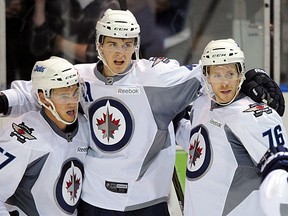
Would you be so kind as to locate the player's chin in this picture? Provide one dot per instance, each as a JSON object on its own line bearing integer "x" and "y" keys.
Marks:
{"x": 70, "y": 119}
{"x": 119, "y": 70}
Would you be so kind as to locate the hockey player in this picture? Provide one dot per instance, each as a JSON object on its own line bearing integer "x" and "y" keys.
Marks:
{"x": 42, "y": 153}
{"x": 130, "y": 102}
{"x": 233, "y": 144}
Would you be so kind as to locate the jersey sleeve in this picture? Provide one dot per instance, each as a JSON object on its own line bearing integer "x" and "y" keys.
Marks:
{"x": 261, "y": 131}
{"x": 20, "y": 98}
{"x": 14, "y": 159}
{"x": 3, "y": 210}
{"x": 183, "y": 134}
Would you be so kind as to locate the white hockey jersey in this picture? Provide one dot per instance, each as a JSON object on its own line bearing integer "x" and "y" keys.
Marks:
{"x": 226, "y": 144}
{"x": 130, "y": 163}
{"x": 41, "y": 167}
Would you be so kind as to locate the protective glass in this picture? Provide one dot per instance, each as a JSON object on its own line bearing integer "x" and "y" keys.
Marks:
{"x": 114, "y": 47}
{"x": 65, "y": 98}
{"x": 221, "y": 73}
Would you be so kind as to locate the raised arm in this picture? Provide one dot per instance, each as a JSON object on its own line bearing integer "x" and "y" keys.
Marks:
{"x": 19, "y": 99}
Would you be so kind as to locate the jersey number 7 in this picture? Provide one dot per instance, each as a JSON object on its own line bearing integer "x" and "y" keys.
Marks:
{"x": 8, "y": 158}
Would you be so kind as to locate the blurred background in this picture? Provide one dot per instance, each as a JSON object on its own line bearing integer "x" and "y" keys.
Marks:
{"x": 32, "y": 30}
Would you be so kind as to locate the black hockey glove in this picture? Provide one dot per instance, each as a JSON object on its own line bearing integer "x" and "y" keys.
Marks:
{"x": 183, "y": 114}
{"x": 261, "y": 88}
{"x": 3, "y": 104}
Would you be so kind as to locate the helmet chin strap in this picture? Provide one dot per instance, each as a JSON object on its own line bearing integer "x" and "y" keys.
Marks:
{"x": 209, "y": 91}
{"x": 52, "y": 109}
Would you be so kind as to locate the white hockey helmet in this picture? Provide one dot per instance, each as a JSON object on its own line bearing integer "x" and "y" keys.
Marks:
{"x": 52, "y": 73}
{"x": 118, "y": 24}
{"x": 223, "y": 51}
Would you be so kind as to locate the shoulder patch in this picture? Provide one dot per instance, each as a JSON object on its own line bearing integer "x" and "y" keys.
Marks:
{"x": 157, "y": 60}
{"x": 22, "y": 132}
{"x": 258, "y": 109}
{"x": 190, "y": 66}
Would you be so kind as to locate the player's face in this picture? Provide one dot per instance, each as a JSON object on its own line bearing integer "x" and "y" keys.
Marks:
{"x": 224, "y": 80}
{"x": 65, "y": 101}
{"x": 117, "y": 53}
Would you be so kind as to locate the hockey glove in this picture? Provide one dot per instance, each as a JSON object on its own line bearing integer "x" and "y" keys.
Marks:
{"x": 261, "y": 88}
{"x": 3, "y": 104}
{"x": 183, "y": 114}
{"x": 274, "y": 192}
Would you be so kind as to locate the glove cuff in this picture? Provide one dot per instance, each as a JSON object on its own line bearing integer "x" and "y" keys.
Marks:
{"x": 4, "y": 105}
{"x": 271, "y": 161}
{"x": 250, "y": 74}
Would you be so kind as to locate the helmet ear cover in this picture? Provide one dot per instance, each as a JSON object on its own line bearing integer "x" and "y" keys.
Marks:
{"x": 101, "y": 39}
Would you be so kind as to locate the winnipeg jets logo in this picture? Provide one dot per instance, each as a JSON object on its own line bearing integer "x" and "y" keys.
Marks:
{"x": 38, "y": 68}
{"x": 108, "y": 125}
{"x": 199, "y": 157}
{"x": 73, "y": 184}
{"x": 111, "y": 124}
{"x": 195, "y": 151}
{"x": 259, "y": 109}
{"x": 157, "y": 60}
{"x": 22, "y": 132}
{"x": 69, "y": 185}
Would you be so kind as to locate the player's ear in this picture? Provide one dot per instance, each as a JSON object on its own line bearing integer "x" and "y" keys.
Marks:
{"x": 43, "y": 98}
{"x": 100, "y": 48}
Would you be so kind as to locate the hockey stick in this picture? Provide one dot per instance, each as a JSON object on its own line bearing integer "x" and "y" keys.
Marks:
{"x": 178, "y": 188}
{"x": 123, "y": 4}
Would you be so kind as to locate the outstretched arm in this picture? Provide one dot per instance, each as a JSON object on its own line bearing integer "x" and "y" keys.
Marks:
{"x": 19, "y": 99}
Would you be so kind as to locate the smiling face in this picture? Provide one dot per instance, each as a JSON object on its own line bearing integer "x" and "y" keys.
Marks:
{"x": 117, "y": 53}
{"x": 224, "y": 80}
{"x": 65, "y": 101}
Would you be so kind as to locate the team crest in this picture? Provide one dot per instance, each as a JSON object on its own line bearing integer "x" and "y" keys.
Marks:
{"x": 22, "y": 132}
{"x": 111, "y": 124}
{"x": 69, "y": 185}
{"x": 199, "y": 155}
{"x": 259, "y": 109}
{"x": 157, "y": 60}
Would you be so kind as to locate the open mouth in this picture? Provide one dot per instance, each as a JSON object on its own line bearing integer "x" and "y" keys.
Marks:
{"x": 119, "y": 63}
{"x": 71, "y": 113}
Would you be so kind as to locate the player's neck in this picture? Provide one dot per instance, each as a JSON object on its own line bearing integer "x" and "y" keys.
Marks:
{"x": 58, "y": 123}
